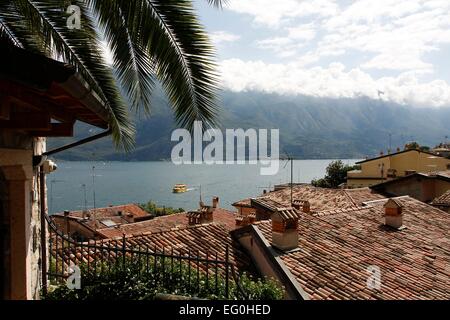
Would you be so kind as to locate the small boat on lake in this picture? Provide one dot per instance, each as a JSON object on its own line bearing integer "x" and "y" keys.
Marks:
{"x": 179, "y": 188}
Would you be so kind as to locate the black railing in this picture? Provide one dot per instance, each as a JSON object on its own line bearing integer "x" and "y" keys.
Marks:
{"x": 180, "y": 271}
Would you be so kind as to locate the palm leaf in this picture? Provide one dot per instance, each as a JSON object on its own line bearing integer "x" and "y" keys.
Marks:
{"x": 148, "y": 39}
{"x": 46, "y": 21}
{"x": 171, "y": 35}
{"x": 134, "y": 68}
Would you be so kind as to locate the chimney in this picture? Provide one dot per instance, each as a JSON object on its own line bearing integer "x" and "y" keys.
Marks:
{"x": 201, "y": 216}
{"x": 285, "y": 229}
{"x": 302, "y": 205}
{"x": 215, "y": 202}
{"x": 393, "y": 214}
{"x": 245, "y": 220}
{"x": 306, "y": 207}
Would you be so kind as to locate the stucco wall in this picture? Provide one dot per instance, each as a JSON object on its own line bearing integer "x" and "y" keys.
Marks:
{"x": 413, "y": 160}
{"x": 24, "y": 215}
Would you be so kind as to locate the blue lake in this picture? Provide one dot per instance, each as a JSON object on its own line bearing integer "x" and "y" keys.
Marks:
{"x": 73, "y": 184}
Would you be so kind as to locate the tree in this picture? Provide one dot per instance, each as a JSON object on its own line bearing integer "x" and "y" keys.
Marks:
{"x": 412, "y": 146}
{"x": 155, "y": 210}
{"x": 336, "y": 174}
{"x": 149, "y": 40}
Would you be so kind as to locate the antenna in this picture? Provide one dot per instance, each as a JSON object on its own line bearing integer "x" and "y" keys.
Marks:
{"x": 289, "y": 158}
{"x": 85, "y": 197}
{"x": 51, "y": 193}
{"x": 390, "y": 142}
{"x": 93, "y": 194}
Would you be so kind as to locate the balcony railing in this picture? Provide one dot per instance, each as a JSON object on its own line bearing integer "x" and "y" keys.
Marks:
{"x": 197, "y": 274}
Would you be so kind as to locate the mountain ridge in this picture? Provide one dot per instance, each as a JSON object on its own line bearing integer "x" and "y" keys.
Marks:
{"x": 310, "y": 127}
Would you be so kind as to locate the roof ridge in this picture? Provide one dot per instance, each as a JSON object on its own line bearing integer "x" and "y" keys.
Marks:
{"x": 350, "y": 198}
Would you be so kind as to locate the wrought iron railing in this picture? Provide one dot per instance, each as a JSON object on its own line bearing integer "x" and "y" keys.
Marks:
{"x": 198, "y": 274}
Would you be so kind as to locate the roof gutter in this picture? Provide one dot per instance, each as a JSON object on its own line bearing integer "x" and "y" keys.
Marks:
{"x": 38, "y": 160}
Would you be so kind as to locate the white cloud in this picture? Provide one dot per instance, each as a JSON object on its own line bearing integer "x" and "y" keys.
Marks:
{"x": 383, "y": 37}
{"x": 333, "y": 81}
{"x": 273, "y": 13}
{"x": 223, "y": 36}
{"x": 397, "y": 32}
{"x": 289, "y": 45}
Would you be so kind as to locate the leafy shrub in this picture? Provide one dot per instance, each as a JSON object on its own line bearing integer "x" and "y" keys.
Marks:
{"x": 141, "y": 279}
{"x": 157, "y": 211}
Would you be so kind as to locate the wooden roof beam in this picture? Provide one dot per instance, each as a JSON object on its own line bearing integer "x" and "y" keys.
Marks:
{"x": 5, "y": 108}
{"x": 27, "y": 121}
{"x": 57, "y": 130}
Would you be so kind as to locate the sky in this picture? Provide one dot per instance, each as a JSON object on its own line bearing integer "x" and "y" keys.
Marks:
{"x": 392, "y": 50}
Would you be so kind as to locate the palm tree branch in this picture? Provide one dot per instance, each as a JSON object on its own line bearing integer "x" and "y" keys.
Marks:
{"x": 135, "y": 70}
{"x": 184, "y": 56}
{"x": 80, "y": 49}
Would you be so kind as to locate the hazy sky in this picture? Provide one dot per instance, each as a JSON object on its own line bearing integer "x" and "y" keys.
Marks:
{"x": 395, "y": 50}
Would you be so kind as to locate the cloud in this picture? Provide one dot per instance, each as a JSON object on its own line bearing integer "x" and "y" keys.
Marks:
{"x": 391, "y": 34}
{"x": 219, "y": 37}
{"x": 398, "y": 33}
{"x": 289, "y": 45}
{"x": 273, "y": 13}
{"x": 381, "y": 45}
{"x": 333, "y": 81}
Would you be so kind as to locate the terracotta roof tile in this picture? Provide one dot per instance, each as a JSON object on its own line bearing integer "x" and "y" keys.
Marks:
{"x": 165, "y": 223}
{"x": 204, "y": 241}
{"x": 336, "y": 249}
{"x": 443, "y": 199}
{"x": 320, "y": 199}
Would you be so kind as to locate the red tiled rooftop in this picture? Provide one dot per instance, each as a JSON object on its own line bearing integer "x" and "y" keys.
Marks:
{"x": 336, "y": 249}
{"x": 320, "y": 199}
{"x": 112, "y": 211}
{"x": 205, "y": 241}
{"x": 243, "y": 203}
{"x": 165, "y": 223}
{"x": 443, "y": 199}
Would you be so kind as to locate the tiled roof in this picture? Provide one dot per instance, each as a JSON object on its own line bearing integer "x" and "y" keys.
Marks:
{"x": 205, "y": 241}
{"x": 361, "y": 195}
{"x": 130, "y": 213}
{"x": 288, "y": 213}
{"x": 443, "y": 199}
{"x": 335, "y": 251}
{"x": 320, "y": 199}
{"x": 243, "y": 203}
{"x": 165, "y": 223}
{"x": 113, "y": 211}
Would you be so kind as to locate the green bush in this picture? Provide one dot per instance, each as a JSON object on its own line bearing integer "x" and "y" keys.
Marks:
{"x": 141, "y": 279}
{"x": 152, "y": 208}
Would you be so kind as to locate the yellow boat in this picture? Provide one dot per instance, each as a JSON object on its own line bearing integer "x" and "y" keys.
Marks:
{"x": 179, "y": 188}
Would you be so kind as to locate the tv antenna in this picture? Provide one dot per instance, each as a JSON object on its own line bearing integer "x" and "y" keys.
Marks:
{"x": 290, "y": 159}
{"x": 85, "y": 196}
{"x": 52, "y": 182}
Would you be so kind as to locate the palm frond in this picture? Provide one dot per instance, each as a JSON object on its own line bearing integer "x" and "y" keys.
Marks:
{"x": 47, "y": 22}
{"x": 171, "y": 35}
{"x": 8, "y": 35}
{"x": 218, "y": 3}
{"x": 134, "y": 67}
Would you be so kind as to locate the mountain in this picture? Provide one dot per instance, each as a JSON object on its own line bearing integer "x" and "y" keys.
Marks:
{"x": 310, "y": 127}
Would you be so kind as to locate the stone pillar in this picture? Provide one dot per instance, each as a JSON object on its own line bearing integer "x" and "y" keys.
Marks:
{"x": 19, "y": 179}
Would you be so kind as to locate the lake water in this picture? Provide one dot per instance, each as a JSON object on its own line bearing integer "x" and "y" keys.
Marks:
{"x": 137, "y": 182}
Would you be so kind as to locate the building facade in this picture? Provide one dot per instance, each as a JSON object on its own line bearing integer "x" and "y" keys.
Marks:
{"x": 39, "y": 98}
{"x": 395, "y": 165}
